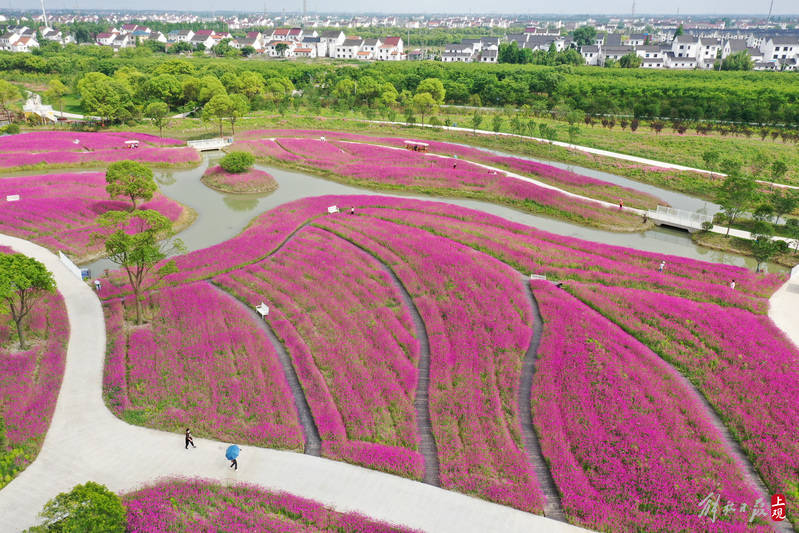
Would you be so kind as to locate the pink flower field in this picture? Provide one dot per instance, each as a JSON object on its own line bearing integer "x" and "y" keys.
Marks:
{"x": 213, "y": 371}
{"x": 627, "y": 447}
{"x": 252, "y": 181}
{"x": 398, "y": 169}
{"x": 59, "y": 211}
{"x": 30, "y": 380}
{"x": 60, "y": 149}
{"x": 564, "y": 179}
{"x": 194, "y": 505}
{"x": 741, "y": 362}
{"x": 352, "y": 344}
{"x": 628, "y": 441}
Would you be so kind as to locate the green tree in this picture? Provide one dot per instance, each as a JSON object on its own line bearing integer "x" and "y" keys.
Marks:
{"x": 585, "y": 35}
{"x": 56, "y": 91}
{"x": 737, "y": 61}
{"x": 23, "y": 283}
{"x": 239, "y": 107}
{"x": 735, "y": 195}
{"x": 281, "y": 48}
{"x": 130, "y": 179}
{"x": 711, "y": 158}
{"x": 784, "y": 201}
{"x": 679, "y": 31}
{"x": 105, "y": 97}
{"x": 424, "y": 104}
{"x": 252, "y": 84}
{"x": 496, "y": 123}
{"x": 237, "y": 162}
{"x": 477, "y": 119}
{"x": 164, "y": 87}
{"x": 142, "y": 251}
{"x": 730, "y": 167}
{"x": 434, "y": 87}
{"x": 218, "y": 108}
{"x": 574, "y": 131}
{"x": 763, "y": 246}
{"x": 778, "y": 169}
{"x": 88, "y": 508}
{"x": 792, "y": 228}
{"x": 158, "y": 112}
{"x": 630, "y": 60}
{"x": 9, "y": 93}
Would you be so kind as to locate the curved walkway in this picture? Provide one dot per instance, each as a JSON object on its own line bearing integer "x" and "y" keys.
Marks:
{"x": 86, "y": 442}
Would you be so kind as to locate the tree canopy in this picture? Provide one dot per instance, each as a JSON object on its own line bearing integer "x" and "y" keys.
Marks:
{"x": 23, "y": 282}
{"x": 130, "y": 179}
{"x": 89, "y": 508}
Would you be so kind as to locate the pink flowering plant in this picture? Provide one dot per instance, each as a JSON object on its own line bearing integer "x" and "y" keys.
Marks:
{"x": 195, "y": 505}
{"x": 200, "y": 363}
{"x": 251, "y": 181}
{"x": 59, "y": 211}
{"x": 29, "y": 381}
{"x": 627, "y": 444}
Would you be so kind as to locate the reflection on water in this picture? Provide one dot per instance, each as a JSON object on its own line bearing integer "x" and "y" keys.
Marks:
{"x": 222, "y": 216}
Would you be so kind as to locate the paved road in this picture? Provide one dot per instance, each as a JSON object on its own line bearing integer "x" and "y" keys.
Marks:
{"x": 86, "y": 442}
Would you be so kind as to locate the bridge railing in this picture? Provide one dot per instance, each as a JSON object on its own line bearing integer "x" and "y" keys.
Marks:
{"x": 210, "y": 144}
{"x": 691, "y": 218}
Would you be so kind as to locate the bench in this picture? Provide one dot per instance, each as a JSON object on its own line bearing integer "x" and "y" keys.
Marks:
{"x": 262, "y": 309}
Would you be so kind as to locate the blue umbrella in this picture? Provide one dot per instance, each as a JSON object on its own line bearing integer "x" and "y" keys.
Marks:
{"x": 232, "y": 452}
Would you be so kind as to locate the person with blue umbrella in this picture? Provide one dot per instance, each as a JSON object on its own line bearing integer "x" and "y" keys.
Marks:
{"x": 231, "y": 454}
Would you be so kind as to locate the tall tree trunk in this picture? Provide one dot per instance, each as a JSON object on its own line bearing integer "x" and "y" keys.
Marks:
{"x": 220, "y": 128}
{"x": 138, "y": 310}
{"x": 19, "y": 332}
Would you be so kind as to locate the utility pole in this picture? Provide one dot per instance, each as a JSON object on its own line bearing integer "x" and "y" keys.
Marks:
{"x": 770, "y": 8}
{"x": 44, "y": 15}
{"x": 633, "y": 11}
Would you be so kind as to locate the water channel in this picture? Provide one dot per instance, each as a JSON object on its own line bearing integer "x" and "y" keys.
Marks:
{"x": 222, "y": 216}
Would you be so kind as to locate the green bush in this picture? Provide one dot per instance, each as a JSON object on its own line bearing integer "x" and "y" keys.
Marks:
{"x": 12, "y": 129}
{"x": 236, "y": 162}
{"x": 87, "y": 508}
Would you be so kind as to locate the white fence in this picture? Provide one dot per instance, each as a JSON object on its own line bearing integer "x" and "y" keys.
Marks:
{"x": 70, "y": 265}
{"x": 672, "y": 215}
{"x": 210, "y": 144}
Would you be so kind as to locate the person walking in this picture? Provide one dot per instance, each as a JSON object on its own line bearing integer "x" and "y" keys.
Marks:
{"x": 662, "y": 266}
{"x": 189, "y": 439}
{"x": 234, "y": 464}
{"x": 232, "y": 454}
{"x": 732, "y": 285}
{"x": 97, "y": 285}
{"x": 621, "y": 204}
{"x": 352, "y": 210}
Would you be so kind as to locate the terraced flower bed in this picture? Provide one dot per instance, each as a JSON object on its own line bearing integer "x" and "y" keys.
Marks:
{"x": 626, "y": 445}
{"x": 741, "y": 363}
{"x": 59, "y": 149}
{"x": 478, "y": 323}
{"x": 200, "y": 505}
{"x": 397, "y": 169}
{"x": 198, "y": 363}
{"x": 563, "y": 179}
{"x": 463, "y": 272}
{"x": 250, "y": 182}
{"x": 30, "y": 380}
{"x": 59, "y": 211}
{"x": 351, "y": 341}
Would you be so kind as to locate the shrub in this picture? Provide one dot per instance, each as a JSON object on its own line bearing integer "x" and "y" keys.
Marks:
{"x": 88, "y": 508}
{"x": 237, "y": 162}
{"x": 12, "y": 129}
{"x": 707, "y": 226}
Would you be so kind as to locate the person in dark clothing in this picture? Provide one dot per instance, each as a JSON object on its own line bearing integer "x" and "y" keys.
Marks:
{"x": 189, "y": 439}
{"x": 234, "y": 464}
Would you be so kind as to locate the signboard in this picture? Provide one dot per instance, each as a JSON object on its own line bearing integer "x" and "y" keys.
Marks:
{"x": 12, "y": 198}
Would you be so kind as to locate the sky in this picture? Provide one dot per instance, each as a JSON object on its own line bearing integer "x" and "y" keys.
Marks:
{"x": 608, "y": 7}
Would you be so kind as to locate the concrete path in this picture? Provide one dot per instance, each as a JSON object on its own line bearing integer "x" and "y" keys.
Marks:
{"x": 783, "y": 308}
{"x": 86, "y": 442}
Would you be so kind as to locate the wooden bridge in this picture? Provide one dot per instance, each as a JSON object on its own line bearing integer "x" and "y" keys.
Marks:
{"x": 678, "y": 218}
{"x": 205, "y": 145}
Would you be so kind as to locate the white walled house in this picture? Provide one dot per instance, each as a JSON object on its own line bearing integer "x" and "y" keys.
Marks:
{"x": 676, "y": 62}
{"x": 708, "y": 50}
{"x": 369, "y": 48}
{"x": 24, "y": 44}
{"x": 105, "y": 38}
{"x": 180, "y": 36}
{"x": 331, "y": 40}
{"x": 489, "y": 54}
{"x": 780, "y": 48}
{"x": 319, "y": 46}
{"x": 391, "y": 49}
{"x": 348, "y": 49}
{"x": 591, "y": 54}
{"x": 685, "y": 46}
{"x": 8, "y": 39}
